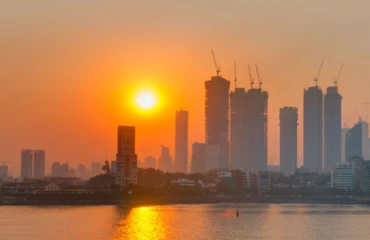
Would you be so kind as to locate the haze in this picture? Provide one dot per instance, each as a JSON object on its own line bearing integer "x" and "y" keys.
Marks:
{"x": 68, "y": 69}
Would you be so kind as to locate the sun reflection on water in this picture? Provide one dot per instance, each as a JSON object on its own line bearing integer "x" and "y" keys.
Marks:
{"x": 142, "y": 223}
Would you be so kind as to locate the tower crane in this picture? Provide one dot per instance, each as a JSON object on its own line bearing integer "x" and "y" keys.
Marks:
{"x": 316, "y": 79}
{"x": 250, "y": 77}
{"x": 336, "y": 79}
{"x": 235, "y": 73}
{"x": 5, "y": 162}
{"x": 218, "y": 70}
{"x": 258, "y": 76}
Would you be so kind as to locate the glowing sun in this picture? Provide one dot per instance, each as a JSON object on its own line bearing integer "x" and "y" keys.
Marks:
{"x": 146, "y": 100}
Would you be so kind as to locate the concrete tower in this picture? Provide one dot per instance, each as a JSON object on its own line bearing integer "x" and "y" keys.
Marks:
{"x": 181, "y": 141}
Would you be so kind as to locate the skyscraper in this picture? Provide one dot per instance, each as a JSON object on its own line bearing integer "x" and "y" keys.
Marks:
{"x": 357, "y": 140}
{"x": 332, "y": 128}
{"x": 150, "y": 162}
{"x": 39, "y": 164}
{"x": 165, "y": 160}
{"x": 126, "y": 158}
{"x": 256, "y": 128}
{"x": 343, "y": 139}
{"x": 181, "y": 141}
{"x": 288, "y": 139}
{"x": 26, "y": 163}
{"x": 217, "y": 116}
{"x": 238, "y": 155}
{"x": 312, "y": 129}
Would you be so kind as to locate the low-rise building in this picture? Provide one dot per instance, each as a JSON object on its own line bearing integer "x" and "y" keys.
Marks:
{"x": 342, "y": 176}
{"x": 52, "y": 187}
{"x": 247, "y": 179}
{"x": 183, "y": 182}
{"x": 263, "y": 182}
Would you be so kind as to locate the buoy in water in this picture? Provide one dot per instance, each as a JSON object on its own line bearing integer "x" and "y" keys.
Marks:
{"x": 237, "y": 213}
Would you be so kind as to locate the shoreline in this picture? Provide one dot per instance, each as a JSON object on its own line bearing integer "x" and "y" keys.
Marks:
{"x": 140, "y": 201}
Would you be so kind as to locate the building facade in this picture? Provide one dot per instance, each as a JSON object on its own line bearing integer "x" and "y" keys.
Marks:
{"x": 165, "y": 161}
{"x": 342, "y": 176}
{"x": 217, "y": 116}
{"x": 39, "y": 164}
{"x": 126, "y": 158}
{"x": 181, "y": 141}
{"x": 332, "y": 128}
{"x": 312, "y": 129}
{"x": 26, "y": 163}
{"x": 150, "y": 162}
{"x": 288, "y": 139}
{"x": 354, "y": 141}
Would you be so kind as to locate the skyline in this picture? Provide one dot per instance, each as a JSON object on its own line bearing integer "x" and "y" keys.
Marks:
{"x": 64, "y": 80}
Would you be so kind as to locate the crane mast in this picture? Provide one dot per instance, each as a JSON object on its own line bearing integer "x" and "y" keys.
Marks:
{"x": 316, "y": 79}
{"x": 250, "y": 77}
{"x": 218, "y": 70}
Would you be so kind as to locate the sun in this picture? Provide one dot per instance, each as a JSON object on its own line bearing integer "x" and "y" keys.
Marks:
{"x": 146, "y": 100}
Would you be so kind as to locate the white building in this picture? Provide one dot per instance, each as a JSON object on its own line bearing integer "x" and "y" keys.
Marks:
{"x": 247, "y": 179}
{"x": 342, "y": 176}
{"x": 183, "y": 182}
{"x": 126, "y": 158}
{"x": 263, "y": 182}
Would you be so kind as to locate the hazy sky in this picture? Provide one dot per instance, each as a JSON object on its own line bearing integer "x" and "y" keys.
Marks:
{"x": 68, "y": 69}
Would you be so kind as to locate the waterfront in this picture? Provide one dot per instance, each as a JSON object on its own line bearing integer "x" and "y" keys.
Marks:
{"x": 200, "y": 221}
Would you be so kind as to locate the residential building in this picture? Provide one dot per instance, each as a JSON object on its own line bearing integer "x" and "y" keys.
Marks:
{"x": 4, "y": 171}
{"x": 197, "y": 158}
{"x": 165, "y": 161}
{"x": 126, "y": 158}
{"x": 263, "y": 182}
{"x": 357, "y": 164}
{"x": 181, "y": 141}
{"x": 217, "y": 116}
{"x": 343, "y": 144}
{"x": 342, "y": 176}
{"x": 332, "y": 128}
{"x": 312, "y": 129}
{"x": 366, "y": 176}
{"x": 357, "y": 141}
{"x": 26, "y": 163}
{"x": 238, "y": 154}
{"x": 288, "y": 139}
{"x": 247, "y": 179}
{"x": 96, "y": 168}
{"x": 39, "y": 164}
{"x": 82, "y": 172}
{"x": 113, "y": 166}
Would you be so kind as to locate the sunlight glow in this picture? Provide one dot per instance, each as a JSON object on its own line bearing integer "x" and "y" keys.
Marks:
{"x": 146, "y": 100}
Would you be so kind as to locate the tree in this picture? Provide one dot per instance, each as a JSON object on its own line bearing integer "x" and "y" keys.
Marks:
{"x": 106, "y": 167}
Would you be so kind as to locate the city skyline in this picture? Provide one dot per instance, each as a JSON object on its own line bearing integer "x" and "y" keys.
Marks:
{"x": 49, "y": 70}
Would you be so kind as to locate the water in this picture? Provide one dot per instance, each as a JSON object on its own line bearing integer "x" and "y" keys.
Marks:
{"x": 213, "y": 221}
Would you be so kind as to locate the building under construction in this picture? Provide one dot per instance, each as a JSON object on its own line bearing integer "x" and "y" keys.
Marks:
{"x": 217, "y": 116}
{"x": 249, "y": 127}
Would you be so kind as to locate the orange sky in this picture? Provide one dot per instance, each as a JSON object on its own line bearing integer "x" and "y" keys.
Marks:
{"x": 67, "y": 70}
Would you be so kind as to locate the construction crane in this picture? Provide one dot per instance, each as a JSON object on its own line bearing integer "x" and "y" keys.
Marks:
{"x": 316, "y": 79}
{"x": 336, "y": 79}
{"x": 235, "y": 73}
{"x": 216, "y": 65}
{"x": 250, "y": 77}
{"x": 258, "y": 76}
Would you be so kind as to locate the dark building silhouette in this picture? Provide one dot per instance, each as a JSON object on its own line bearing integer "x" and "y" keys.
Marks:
{"x": 217, "y": 116}
{"x": 26, "y": 163}
{"x": 255, "y": 117}
{"x": 39, "y": 164}
{"x": 238, "y": 154}
{"x": 332, "y": 128}
{"x": 288, "y": 139}
{"x": 356, "y": 139}
{"x": 150, "y": 162}
{"x": 312, "y": 129}
{"x": 165, "y": 160}
{"x": 181, "y": 141}
{"x": 198, "y": 158}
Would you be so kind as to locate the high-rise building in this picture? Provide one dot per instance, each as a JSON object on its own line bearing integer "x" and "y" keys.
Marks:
{"x": 26, "y": 163}
{"x": 96, "y": 168}
{"x": 113, "y": 167}
{"x": 205, "y": 157}
{"x": 343, "y": 143}
{"x": 82, "y": 171}
{"x": 332, "y": 128}
{"x": 256, "y": 129}
{"x": 165, "y": 160}
{"x": 4, "y": 171}
{"x": 59, "y": 170}
{"x": 312, "y": 129}
{"x": 217, "y": 116}
{"x": 181, "y": 141}
{"x": 288, "y": 139}
{"x": 357, "y": 141}
{"x": 126, "y": 158}
{"x": 39, "y": 164}
{"x": 238, "y": 144}
{"x": 150, "y": 162}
